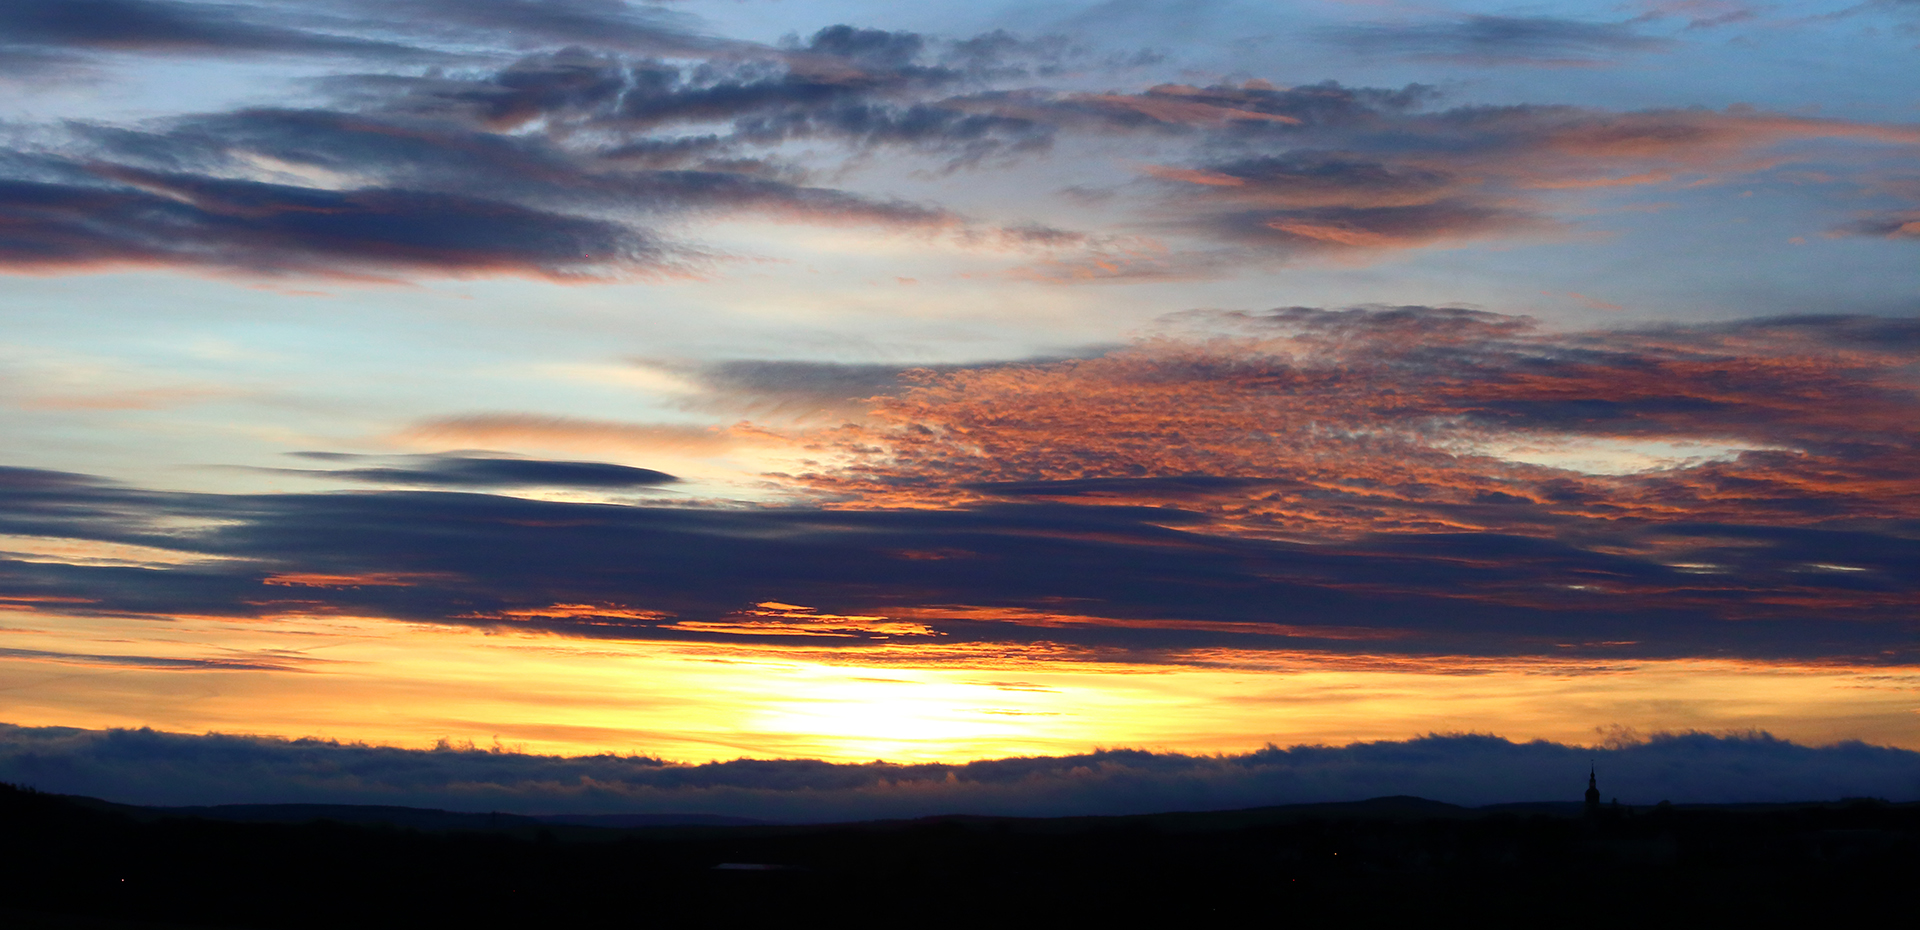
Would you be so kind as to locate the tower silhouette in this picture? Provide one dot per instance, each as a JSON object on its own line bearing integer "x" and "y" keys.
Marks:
{"x": 1593, "y": 793}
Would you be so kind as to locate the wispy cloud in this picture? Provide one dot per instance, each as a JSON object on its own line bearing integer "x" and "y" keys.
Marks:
{"x": 62, "y": 30}
{"x": 1377, "y": 178}
{"x": 277, "y": 663}
{"x": 591, "y": 161}
{"x": 57, "y": 28}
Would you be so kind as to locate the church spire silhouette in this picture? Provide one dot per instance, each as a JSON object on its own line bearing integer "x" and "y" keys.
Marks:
{"x": 1593, "y": 792}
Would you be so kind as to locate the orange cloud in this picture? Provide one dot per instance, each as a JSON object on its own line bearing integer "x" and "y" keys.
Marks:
{"x": 773, "y": 618}
{"x": 1334, "y": 425}
{"x": 509, "y": 430}
{"x": 370, "y": 579}
{"x": 576, "y": 614}
{"x": 1482, "y": 172}
{"x": 1043, "y": 619}
{"x": 1194, "y": 176}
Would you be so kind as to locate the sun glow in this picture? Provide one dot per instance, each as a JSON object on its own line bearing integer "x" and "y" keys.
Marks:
{"x": 377, "y": 681}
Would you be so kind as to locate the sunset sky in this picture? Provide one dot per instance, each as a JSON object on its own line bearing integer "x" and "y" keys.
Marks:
{"x": 942, "y": 382}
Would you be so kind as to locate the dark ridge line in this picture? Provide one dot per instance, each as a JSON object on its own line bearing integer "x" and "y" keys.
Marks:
{"x": 438, "y": 820}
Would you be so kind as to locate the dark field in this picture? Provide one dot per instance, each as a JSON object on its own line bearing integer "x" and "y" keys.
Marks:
{"x": 73, "y": 862}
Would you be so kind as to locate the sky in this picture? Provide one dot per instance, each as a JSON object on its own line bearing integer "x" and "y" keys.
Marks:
{"x": 719, "y": 382}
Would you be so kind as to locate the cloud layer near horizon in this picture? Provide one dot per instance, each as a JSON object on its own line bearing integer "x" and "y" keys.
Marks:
{"x": 154, "y": 768}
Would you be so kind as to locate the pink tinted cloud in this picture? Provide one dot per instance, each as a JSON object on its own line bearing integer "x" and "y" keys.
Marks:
{"x": 1346, "y": 429}
{"x": 1383, "y": 180}
{"x": 511, "y": 430}
{"x": 1341, "y": 424}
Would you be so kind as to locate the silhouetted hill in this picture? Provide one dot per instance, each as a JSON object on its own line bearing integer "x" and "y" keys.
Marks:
{"x": 414, "y": 818}
{"x": 626, "y": 821}
{"x": 68, "y": 859}
{"x": 428, "y": 819}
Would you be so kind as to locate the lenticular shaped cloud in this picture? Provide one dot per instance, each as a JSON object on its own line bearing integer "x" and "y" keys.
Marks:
{"x": 174, "y": 27}
{"x": 1316, "y": 179}
{"x": 1895, "y": 225}
{"x": 1256, "y": 107}
{"x": 277, "y": 663}
{"x": 1498, "y": 40}
{"x": 595, "y": 23}
{"x": 1361, "y": 228}
{"x": 1368, "y": 175}
{"x": 148, "y": 218}
{"x": 457, "y": 471}
{"x": 520, "y": 430}
{"x": 409, "y": 28}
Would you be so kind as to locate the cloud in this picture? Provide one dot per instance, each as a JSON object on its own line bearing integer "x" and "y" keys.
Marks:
{"x": 164, "y": 26}
{"x": 1314, "y": 179}
{"x": 1121, "y": 260}
{"x": 528, "y": 429}
{"x": 1334, "y": 229}
{"x": 1366, "y": 177}
{"x": 1256, "y": 107}
{"x": 470, "y": 472}
{"x": 775, "y": 390}
{"x": 1897, "y": 225}
{"x": 404, "y": 153}
{"x": 1703, "y": 14}
{"x": 1376, "y": 481}
{"x": 581, "y": 162}
{"x": 148, "y": 767}
{"x": 277, "y": 663}
{"x": 1418, "y": 387}
{"x": 1894, "y": 7}
{"x": 1499, "y": 40}
{"x": 133, "y": 217}
{"x": 1348, "y": 424}
{"x": 595, "y": 23}
{"x": 66, "y": 32}
{"x": 1137, "y": 568}
{"x": 861, "y": 87}
{"x": 429, "y": 176}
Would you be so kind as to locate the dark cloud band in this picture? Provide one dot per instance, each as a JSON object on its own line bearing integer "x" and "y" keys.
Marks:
{"x": 159, "y": 219}
{"x": 471, "y": 472}
{"x": 147, "y": 767}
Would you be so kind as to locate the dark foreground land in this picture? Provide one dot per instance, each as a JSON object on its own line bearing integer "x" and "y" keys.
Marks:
{"x": 74, "y": 862}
